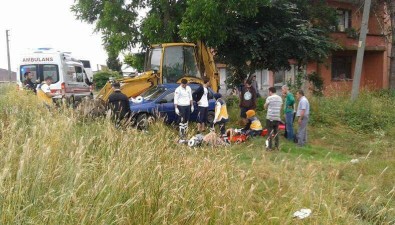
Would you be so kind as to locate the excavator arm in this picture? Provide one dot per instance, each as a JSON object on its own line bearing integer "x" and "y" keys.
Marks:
{"x": 206, "y": 60}
{"x": 131, "y": 86}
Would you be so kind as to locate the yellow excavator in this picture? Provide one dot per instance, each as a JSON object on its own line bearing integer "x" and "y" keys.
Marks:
{"x": 169, "y": 63}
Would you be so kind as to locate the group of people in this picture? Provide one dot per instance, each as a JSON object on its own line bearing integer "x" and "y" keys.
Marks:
{"x": 42, "y": 90}
{"x": 249, "y": 94}
{"x": 184, "y": 98}
{"x": 274, "y": 104}
{"x": 184, "y": 106}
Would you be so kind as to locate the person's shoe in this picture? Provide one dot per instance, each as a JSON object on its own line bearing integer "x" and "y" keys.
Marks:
{"x": 269, "y": 149}
{"x": 276, "y": 148}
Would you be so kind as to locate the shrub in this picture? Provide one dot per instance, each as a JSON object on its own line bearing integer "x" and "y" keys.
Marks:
{"x": 317, "y": 83}
{"x": 232, "y": 101}
{"x": 259, "y": 105}
{"x": 100, "y": 78}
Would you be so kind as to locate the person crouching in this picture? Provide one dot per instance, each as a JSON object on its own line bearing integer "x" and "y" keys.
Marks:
{"x": 253, "y": 126}
{"x": 221, "y": 116}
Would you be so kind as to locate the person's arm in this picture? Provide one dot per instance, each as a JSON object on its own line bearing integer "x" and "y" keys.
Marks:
{"x": 266, "y": 103}
{"x": 190, "y": 96}
{"x": 248, "y": 125}
{"x": 253, "y": 98}
{"x": 47, "y": 90}
{"x": 291, "y": 100}
{"x": 176, "y": 95}
{"x": 217, "y": 111}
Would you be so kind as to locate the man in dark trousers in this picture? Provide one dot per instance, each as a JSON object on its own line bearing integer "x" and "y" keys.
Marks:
{"x": 118, "y": 103}
{"x": 273, "y": 105}
{"x": 201, "y": 97}
{"x": 247, "y": 99}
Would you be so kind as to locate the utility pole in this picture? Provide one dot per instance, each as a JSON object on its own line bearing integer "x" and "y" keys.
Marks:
{"x": 361, "y": 50}
{"x": 8, "y": 55}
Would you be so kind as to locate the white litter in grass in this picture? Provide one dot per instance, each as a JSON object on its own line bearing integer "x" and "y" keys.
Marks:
{"x": 303, "y": 213}
{"x": 353, "y": 161}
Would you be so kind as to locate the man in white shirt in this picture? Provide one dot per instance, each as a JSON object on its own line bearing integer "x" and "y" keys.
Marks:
{"x": 273, "y": 105}
{"x": 44, "y": 91}
{"x": 201, "y": 97}
{"x": 183, "y": 104}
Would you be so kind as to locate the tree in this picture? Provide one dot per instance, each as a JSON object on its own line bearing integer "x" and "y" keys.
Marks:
{"x": 267, "y": 36}
{"x": 135, "y": 60}
{"x": 119, "y": 23}
{"x": 264, "y": 32}
{"x": 114, "y": 64}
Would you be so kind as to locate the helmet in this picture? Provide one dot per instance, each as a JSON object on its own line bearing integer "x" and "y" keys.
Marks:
{"x": 250, "y": 113}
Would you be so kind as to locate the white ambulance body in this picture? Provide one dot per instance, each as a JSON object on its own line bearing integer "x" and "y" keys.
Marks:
{"x": 67, "y": 72}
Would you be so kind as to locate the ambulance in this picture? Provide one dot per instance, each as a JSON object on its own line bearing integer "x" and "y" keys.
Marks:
{"x": 69, "y": 78}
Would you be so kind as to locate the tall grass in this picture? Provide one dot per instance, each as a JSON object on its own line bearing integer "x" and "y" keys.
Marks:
{"x": 57, "y": 168}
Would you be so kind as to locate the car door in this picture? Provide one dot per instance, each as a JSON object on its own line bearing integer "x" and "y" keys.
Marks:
{"x": 81, "y": 89}
{"x": 166, "y": 107}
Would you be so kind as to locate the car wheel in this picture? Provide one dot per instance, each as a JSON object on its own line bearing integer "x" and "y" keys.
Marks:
{"x": 210, "y": 117}
{"x": 144, "y": 120}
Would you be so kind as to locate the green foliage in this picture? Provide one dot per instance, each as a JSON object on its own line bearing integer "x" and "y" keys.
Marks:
{"x": 100, "y": 78}
{"x": 135, "y": 60}
{"x": 260, "y": 104}
{"x": 317, "y": 83}
{"x": 369, "y": 113}
{"x": 352, "y": 33}
{"x": 161, "y": 23}
{"x": 209, "y": 20}
{"x": 297, "y": 83}
{"x": 236, "y": 76}
{"x": 267, "y": 33}
{"x": 232, "y": 101}
{"x": 114, "y": 64}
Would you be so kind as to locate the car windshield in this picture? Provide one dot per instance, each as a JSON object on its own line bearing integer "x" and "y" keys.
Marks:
{"x": 153, "y": 93}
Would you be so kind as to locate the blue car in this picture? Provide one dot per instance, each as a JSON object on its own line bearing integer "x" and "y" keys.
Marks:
{"x": 158, "y": 102}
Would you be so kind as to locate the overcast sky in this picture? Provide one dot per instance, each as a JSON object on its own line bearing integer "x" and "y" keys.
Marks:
{"x": 46, "y": 23}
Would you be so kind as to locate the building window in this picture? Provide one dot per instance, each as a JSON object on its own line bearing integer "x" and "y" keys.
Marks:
{"x": 341, "y": 68}
{"x": 343, "y": 19}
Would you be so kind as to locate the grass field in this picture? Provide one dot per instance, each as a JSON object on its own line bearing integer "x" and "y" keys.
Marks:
{"x": 60, "y": 168}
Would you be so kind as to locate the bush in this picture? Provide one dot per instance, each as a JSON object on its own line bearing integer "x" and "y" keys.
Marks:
{"x": 260, "y": 104}
{"x": 371, "y": 111}
{"x": 232, "y": 101}
{"x": 100, "y": 78}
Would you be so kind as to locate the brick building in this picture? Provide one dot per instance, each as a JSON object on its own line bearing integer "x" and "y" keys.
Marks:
{"x": 338, "y": 70}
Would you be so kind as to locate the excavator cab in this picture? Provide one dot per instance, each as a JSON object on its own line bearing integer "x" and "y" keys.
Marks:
{"x": 173, "y": 62}
{"x": 169, "y": 63}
